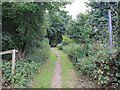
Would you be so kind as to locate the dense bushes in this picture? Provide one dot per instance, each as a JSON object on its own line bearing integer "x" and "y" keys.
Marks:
{"x": 77, "y": 54}
{"x": 73, "y": 50}
{"x": 42, "y": 52}
{"x": 66, "y": 40}
{"x": 23, "y": 71}
{"x": 59, "y": 46}
{"x": 25, "y": 67}
{"x": 86, "y": 66}
{"x": 100, "y": 65}
{"x": 107, "y": 69}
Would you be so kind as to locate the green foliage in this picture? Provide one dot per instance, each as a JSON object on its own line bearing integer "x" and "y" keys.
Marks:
{"x": 107, "y": 68}
{"x": 57, "y": 26}
{"x": 78, "y": 51}
{"x": 99, "y": 19}
{"x": 91, "y": 55}
{"x": 25, "y": 68}
{"x": 19, "y": 30}
{"x": 66, "y": 40}
{"x": 59, "y": 46}
{"x": 24, "y": 26}
{"x": 42, "y": 53}
{"x": 23, "y": 71}
{"x": 98, "y": 65}
{"x": 83, "y": 64}
{"x": 86, "y": 66}
{"x": 89, "y": 30}
{"x": 74, "y": 51}
{"x": 6, "y": 73}
{"x": 22, "y": 32}
{"x": 79, "y": 29}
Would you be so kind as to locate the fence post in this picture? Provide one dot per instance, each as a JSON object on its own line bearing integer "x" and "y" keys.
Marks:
{"x": 13, "y": 61}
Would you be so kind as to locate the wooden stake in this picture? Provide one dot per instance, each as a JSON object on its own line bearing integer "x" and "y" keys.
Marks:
{"x": 13, "y": 61}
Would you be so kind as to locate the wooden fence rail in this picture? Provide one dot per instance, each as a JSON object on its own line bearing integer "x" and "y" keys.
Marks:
{"x": 13, "y": 57}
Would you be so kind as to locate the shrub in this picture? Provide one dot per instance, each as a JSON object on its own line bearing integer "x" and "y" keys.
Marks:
{"x": 59, "y": 46}
{"x": 74, "y": 51}
{"x": 25, "y": 67}
{"x": 107, "y": 69}
{"x": 39, "y": 54}
{"x": 66, "y": 40}
{"x": 84, "y": 64}
{"x": 23, "y": 72}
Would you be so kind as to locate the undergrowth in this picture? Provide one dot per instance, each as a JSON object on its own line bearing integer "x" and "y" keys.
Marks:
{"x": 25, "y": 67}
{"x": 98, "y": 64}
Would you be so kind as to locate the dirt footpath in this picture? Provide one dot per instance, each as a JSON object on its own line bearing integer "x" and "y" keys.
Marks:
{"x": 56, "y": 80}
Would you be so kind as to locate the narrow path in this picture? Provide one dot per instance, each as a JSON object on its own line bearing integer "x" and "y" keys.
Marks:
{"x": 58, "y": 72}
{"x": 70, "y": 77}
{"x": 56, "y": 80}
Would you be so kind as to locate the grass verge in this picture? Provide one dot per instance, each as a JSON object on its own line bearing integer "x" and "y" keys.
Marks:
{"x": 44, "y": 76}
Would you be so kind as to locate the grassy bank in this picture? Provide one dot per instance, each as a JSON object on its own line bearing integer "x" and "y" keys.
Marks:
{"x": 44, "y": 76}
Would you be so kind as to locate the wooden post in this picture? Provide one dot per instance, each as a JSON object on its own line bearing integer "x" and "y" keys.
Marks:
{"x": 13, "y": 61}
